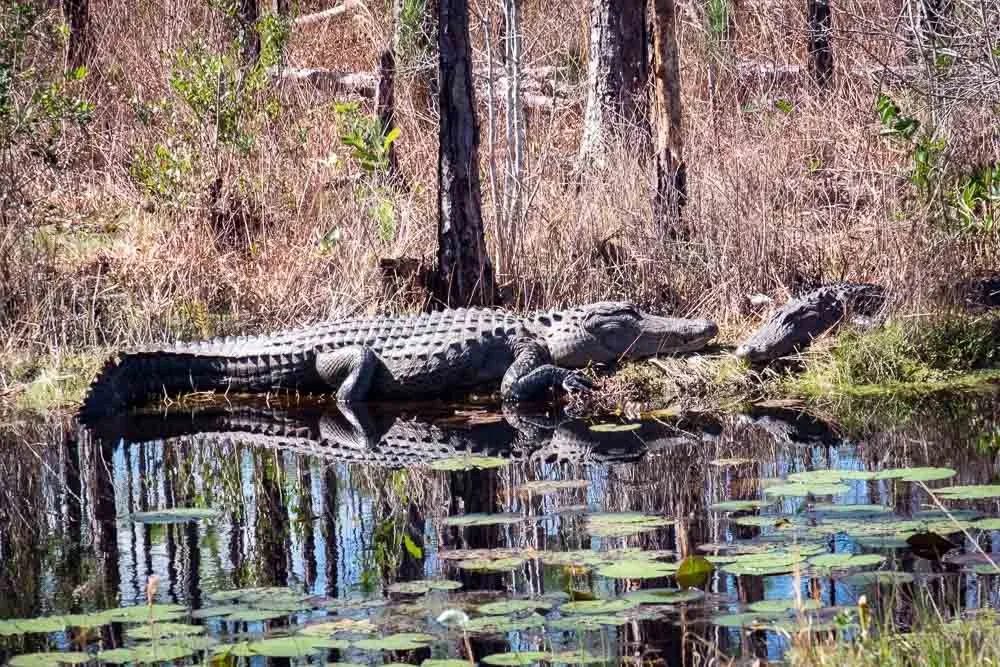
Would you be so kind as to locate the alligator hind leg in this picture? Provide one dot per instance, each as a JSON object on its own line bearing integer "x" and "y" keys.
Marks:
{"x": 349, "y": 370}
{"x": 533, "y": 372}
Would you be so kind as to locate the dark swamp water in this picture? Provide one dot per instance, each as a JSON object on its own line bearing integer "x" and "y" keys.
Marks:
{"x": 316, "y": 535}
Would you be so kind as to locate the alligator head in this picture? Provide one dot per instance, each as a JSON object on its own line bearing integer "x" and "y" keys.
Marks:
{"x": 612, "y": 331}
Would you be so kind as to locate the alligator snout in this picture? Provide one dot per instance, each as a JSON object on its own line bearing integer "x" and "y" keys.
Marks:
{"x": 675, "y": 335}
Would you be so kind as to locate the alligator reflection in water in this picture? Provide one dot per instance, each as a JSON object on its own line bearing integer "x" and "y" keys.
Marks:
{"x": 340, "y": 504}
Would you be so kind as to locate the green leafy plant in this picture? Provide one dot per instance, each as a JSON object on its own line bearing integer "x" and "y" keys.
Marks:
{"x": 161, "y": 172}
{"x": 364, "y": 133}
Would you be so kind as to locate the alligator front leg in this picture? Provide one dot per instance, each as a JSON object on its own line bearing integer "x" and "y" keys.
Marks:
{"x": 349, "y": 370}
{"x": 533, "y": 372}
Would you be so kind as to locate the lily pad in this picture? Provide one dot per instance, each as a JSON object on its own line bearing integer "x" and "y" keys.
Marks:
{"x": 406, "y": 641}
{"x": 504, "y": 624}
{"x": 969, "y": 492}
{"x": 506, "y": 659}
{"x": 576, "y": 658}
{"x": 466, "y": 520}
{"x": 739, "y": 505}
{"x": 838, "y": 509}
{"x": 164, "y": 630}
{"x": 41, "y": 625}
{"x": 811, "y": 489}
{"x": 254, "y": 616}
{"x": 513, "y": 606}
{"x": 638, "y": 569}
{"x": 586, "y": 623}
{"x": 442, "y": 662}
{"x": 987, "y": 524}
{"x": 285, "y": 647}
{"x": 457, "y": 463}
{"x": 622, "y": 524}
{"x": 844, "y": 561}
{"x": 217, "y": 610}
{"x": 48, "y": 659}
{"x": 744, "y": 620}
{"x": 882, "y": 578}
{"x": 422, "y": 586}
{"x": 490, "y": 565}
{"x": 817, "y": 476}
{"x": 986, "y": 569}
{"x": 694, "y": 572}
{"x": 598, "y": 606}
{"x": 919, "y": 474}
{"x": 143, "y": 614}
{"x": 176, "y": 515}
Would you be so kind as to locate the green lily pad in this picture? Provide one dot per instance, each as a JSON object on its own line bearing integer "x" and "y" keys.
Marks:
{"x": 162, "y": 652}
{"x": 143, "y": 614}
{"x": 831, "y": 508}
{"x": 466, "y": 520}
{"x": 598, "y": 606}
{"x": 586, "y": 623}
{"x": 771, "y": 521}
{"x": 217, "y": 610}
{"x": 422, "y": 586}
{"x": 507, "y": 659}
{"x": 513, "y": 606}
{"x": 176, "y": 515}
{"x": 812, "y": 489}
{"x": 665, "y": 596}
{"x": 637, "y": 569}
{"x": 117, "y": 656}
{"x": 285, "y": 647}
{"x": 445, "y": 662}
{"x": 817, "y": 476}
{"x": 882, "y": 578}
{"x": 41, "y": 625}
{"x": 744, "y": 620}
{"x": 495, "y": 565}
{"x": 52, "y": 658}
{"x": 457, "y": 463}
{"x": 986, "y": 569}
{"x": 921, "y": 474}
{"x": 844, "y": 561}
{"x": 164, "y": 630}
{"x": 9, "y": 629}
{"x": 694, "y": 571}
{"x": 622, "y": 524}
{"x": 739, "y": 505}
{"x": 969, "y": 492}
{"x": 407, "y": 641}
{"x": 504, "y": 624}
{"x": 789, "y": 604}
{"x": 987, "y": 524}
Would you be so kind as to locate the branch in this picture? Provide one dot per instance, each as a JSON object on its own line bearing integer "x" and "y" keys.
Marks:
{"x": 333, "y": 12}
{"x": 330, "y": 80}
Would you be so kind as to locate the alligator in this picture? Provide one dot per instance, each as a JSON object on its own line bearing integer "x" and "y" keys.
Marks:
{"x": 346, "y": 433}
{"x": 403, "y": 357}
{"x": 794, "y": 326}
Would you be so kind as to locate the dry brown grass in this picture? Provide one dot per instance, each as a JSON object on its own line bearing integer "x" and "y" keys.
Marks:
{"x": 778, "y": 199}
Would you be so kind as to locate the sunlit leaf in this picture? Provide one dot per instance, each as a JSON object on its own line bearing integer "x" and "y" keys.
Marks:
{"x": 694, "y": 572}
{"x": 51, "y": 659}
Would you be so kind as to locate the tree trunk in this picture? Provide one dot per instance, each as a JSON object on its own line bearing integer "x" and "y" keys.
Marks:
{"x": 513, "y": 188}
{"x": 820, "y": 53}
{"x": 671, "y": 175}
{"x": 465, "y": 274}
{"x": 247, "y": 14}
{"x": 78, "y": 19}
{"x": 385, "y": 108}
{"x": 617, "y": 73}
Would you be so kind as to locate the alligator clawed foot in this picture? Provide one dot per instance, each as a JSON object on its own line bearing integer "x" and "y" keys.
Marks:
{"x": 576, "y": 382}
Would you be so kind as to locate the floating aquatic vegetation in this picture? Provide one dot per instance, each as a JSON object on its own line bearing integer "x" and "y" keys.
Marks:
{"x": 586, "y": 623}
{"x": 992, "y": 523}
{"x": 422, "y": 586}
{"x": 492, "y": 565}
{"x": 783, "y": 605}
{"x": 504, "y": 624}
{"x": 745, "y": 619}
{"x": 881, "y": 577}
{"x": 164, "y": 630}
{"x": 638, "y": 569}
{"x": 622, "y": 524}
{"x": 598, "y": 606}
{"x": 845, "y": 561}
{"x": 694, "y": 571}
{"x": 49, "y": 659}
{"x": 838, "y": 509}
{"x": 342, "y": 625}
{"x": 403, "y": 641}
{"x": 513, "y": 606}
{"x": 576, "y": 658}
{"x": 802, "y": 489}
{"x": 144, "y": 614}
{"x": 254, "y": 616}
{"x": 458, "y": 463}
{"x": 176, "y": 515}
{"x": 969, "y": 492}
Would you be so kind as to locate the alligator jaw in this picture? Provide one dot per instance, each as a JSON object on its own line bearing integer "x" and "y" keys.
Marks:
{"x": 671, "y": 335}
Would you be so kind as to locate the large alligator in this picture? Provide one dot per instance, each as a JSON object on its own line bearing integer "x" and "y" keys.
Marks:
{"x": 405, "y": 357}
{"x": 794, "y": 326}
{"x": 353, "y": 434}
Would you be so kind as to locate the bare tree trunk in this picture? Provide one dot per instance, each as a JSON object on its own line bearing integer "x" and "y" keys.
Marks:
{"x": 385, "y": 108}
{"x": 513, "y": 197}
{"x": 671, "y": 174}
{"x": 247, "y": 14}
{"x": 820, "y": 52}
{"x": 465, "y": 274}
{"x": 617, "y": 73}
{"x": 77, "y": 14}
{"x": 283, "y": 8}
